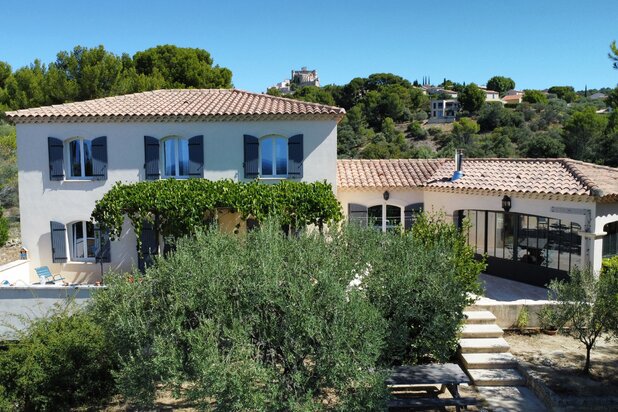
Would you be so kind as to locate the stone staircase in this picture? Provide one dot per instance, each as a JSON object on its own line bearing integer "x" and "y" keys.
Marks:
{"x": 485, "y": 354}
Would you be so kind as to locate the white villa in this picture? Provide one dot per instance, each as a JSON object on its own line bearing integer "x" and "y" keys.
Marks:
{"x": 535, "y": 219}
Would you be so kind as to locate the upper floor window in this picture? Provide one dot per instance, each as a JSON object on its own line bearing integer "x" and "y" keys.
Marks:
{"x": 274, "y": 156}
{"x": 79, "y": 156}
{"x": 175, "y": 157}
{"x": 84, "y": 243}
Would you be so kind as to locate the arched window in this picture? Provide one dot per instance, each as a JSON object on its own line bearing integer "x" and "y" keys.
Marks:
{"x": 385, "y": 217}
{"x": 84, "y": 243}
{"x": 610, "y": 240}
{"x": 175, "y": 157}
{"x": 274, "y": 156}
{"x": 79, "y": 158}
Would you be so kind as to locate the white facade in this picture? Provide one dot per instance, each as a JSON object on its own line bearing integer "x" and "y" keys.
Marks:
{"x": 443, "y": 111}
{"x": 492, "y": 96}
{"x": 66, "y": 201}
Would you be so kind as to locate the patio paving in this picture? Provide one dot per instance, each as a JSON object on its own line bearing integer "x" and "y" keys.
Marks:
{"x": 505, "y": 290}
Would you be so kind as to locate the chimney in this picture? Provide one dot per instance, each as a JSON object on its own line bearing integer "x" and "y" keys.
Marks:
{"x": 458, "y": 163}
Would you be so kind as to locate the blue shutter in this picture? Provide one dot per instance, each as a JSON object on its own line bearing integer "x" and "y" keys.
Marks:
{"x": 59, "y": 243}
{"x": 295, "y": 156}
{"x": 252, "y": 156}
{"x": 196, "y": 156}
{"x": 56, "y": 158}
{"x": 150, "y": 246}
{"x": 409, "y": 212}
{"x": 151, "y": 158}
{"x": 104, "y": 251}
{"x": 99, "y": 158}
{"x": 357, "y": 214}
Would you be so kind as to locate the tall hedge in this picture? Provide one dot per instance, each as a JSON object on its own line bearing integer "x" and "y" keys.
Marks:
{"x": 276, "y": 322}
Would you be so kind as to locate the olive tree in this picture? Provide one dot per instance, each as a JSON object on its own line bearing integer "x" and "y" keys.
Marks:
{"x": 586, "y": 307}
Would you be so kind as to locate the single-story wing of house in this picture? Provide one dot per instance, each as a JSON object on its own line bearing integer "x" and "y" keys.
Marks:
{"x": 534, "y": 219}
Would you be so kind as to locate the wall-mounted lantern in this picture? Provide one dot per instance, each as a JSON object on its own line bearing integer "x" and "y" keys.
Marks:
{"x": 386, "y": 195}
{"x": 506, "y": 203}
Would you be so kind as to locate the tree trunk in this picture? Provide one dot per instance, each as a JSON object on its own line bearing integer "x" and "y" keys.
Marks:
{"x": 587, "y": 366}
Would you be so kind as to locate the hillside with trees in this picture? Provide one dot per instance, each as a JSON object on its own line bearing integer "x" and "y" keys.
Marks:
{"x": 386, "y": 118}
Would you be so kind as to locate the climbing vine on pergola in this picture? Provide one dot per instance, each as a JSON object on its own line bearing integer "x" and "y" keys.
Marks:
{"x": 178, "y": 207}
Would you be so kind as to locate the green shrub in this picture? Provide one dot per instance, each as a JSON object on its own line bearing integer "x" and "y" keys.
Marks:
{"x": 271, "y": 322}
{"x": 58, "y": 363}
{"x": 4, "y": 228}
{"x": 522, "y": 318}
{"x": 421, "y": 283}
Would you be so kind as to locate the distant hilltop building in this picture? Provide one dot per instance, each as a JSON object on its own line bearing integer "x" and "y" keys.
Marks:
{"x": 304, "y": 77}
{"x": 299, "y": 78}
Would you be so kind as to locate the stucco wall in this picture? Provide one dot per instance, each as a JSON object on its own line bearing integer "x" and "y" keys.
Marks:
{"x": 448, "y": 203}
{"x": 42, "y": 200}
{"x": 397, "y": 197}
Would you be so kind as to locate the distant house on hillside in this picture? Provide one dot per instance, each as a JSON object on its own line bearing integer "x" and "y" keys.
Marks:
{"x": 443, "y": 111}
{"x": 490, "y": 95}
{"x": 433, "y": 91}
{"x": 512, "y": 99}
{"x": 514, "y": 92}
{"x": 598, "y": 96}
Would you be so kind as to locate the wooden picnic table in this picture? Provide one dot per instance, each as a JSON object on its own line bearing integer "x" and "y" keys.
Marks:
{"x": 421, "y": 382}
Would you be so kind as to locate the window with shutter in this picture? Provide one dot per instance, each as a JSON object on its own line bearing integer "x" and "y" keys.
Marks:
{"x": 99, "y": 158}
{"x": 79, "y": 159}
{"x": 84, "y": 241}
{"x": 151, "y": 158}
{"x": 103, "y": 243}
{"x": 196, "y": 156}
{"x": 295, "y": 156}
{"x": 58, "y": 242}
{"x": 357, "y": 214}
{"x": 409, "y": 212}
{"x": 251, "y": 156}
{"x": 150, "y": 246}
{"x": 175, "y": 157}
{"x": 56, "y": 158}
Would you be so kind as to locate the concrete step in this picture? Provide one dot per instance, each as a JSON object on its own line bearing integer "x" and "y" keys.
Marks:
{"x": 481, "y": 331}
{"x": 510, "y": 398}
{"x": 483, "y": 345}
{"x": 488, "y": 360}
{"x": 496, "y": 377}
{"x": 479, "y": 317}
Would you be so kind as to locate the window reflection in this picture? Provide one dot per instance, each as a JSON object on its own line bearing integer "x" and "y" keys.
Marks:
{"x": 393, "y": 217}
{"x": 610, "y": 240}
{"x": 281, "y": 151}
{"x": 176, "y": 157}
{"x": 530, "y": 239}
{"x": 374, "y": 214}
{"x": 274, "y": 155}
{"x": 80, "y": 158}
{"x": 267, "y": 157}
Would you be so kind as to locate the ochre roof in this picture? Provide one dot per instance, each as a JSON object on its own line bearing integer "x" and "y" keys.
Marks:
{"x": 533, "y": 176}
{"x": 178, "y": 104}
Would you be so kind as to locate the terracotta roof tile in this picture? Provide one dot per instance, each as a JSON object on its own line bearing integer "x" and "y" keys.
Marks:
{"x": 177, "y": 102}
{"x": 385, "y": 173}
{"x": 549, "y": 176}
{"x": 541, "y": 176}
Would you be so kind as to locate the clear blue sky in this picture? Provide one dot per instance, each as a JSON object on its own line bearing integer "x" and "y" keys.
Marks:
{"x": 538, "y": 43}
